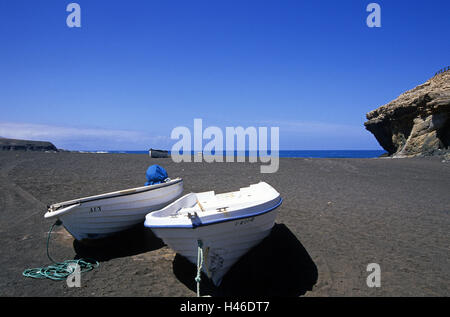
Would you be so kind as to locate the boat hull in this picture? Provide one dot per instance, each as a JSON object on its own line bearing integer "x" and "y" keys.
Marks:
{"x": 158, "y": 153}
{"x": 224, "y": 243}
{"x": 103, "y": 217}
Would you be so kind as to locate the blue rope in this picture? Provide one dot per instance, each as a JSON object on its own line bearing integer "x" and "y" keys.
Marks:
{"x": 59, "y": 271}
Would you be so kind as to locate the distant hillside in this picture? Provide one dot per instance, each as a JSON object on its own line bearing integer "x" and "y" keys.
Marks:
{"x": 25, "y": 145}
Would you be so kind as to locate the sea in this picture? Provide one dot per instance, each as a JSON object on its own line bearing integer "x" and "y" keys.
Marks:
{"x": 292, "y": 153}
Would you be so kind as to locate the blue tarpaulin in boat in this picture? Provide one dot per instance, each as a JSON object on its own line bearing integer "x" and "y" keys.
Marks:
{"x": 155, "y": 175}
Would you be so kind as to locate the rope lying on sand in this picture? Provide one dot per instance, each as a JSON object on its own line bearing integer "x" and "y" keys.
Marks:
{"x": 60, "y": 270}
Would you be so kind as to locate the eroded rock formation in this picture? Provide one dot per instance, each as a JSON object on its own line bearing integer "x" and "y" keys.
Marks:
{"x": 417, "y": 122}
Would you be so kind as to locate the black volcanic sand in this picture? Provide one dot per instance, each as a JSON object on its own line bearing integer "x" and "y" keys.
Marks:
{"x": 338, "y": 215}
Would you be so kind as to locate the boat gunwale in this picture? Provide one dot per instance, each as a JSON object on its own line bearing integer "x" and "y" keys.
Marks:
{"x": 195, "y": 225}
{"x": 114, "y": 194}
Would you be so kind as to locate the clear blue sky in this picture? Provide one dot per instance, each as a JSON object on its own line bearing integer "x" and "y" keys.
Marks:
{"x": 137, "y": 69}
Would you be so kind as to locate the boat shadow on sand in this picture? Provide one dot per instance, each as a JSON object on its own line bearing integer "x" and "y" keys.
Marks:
{"x": 278, "y": 266}
{"x": 133, "y": 241}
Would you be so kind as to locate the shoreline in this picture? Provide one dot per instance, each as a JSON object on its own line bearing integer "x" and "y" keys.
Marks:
{"x": 325, "y": 153}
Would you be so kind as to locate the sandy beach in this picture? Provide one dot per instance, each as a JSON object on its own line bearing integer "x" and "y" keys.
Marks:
{"x": 338, "y": 215}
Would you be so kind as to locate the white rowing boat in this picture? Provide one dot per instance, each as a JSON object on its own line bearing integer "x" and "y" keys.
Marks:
{"x": 100, "y": 216}
{"x": 226, "y": 226}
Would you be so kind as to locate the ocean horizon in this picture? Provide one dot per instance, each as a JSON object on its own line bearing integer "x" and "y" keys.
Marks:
{"x": 284, "y": 153}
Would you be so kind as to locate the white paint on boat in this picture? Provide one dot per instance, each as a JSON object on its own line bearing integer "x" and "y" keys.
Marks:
{"x": 228, "y": 225}
{"x": 102, "y": 215}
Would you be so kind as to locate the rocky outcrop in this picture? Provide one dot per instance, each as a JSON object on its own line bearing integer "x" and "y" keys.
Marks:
{"x": 417, "y": 122}
{"x": 25, "y": 145}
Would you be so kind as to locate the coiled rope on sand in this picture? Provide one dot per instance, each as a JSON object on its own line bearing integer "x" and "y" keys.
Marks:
{"x": 58, "y": 271}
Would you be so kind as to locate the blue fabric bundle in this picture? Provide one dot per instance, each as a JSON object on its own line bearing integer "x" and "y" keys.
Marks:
{"x": 155, "y": 175}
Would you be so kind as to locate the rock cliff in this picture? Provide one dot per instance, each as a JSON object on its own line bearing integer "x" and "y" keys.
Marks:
{"x": 25, "y": 145}
{"x": 417, "y": 122}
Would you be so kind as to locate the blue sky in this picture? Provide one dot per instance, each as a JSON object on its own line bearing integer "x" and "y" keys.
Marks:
{"x": 137, "y": 69}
